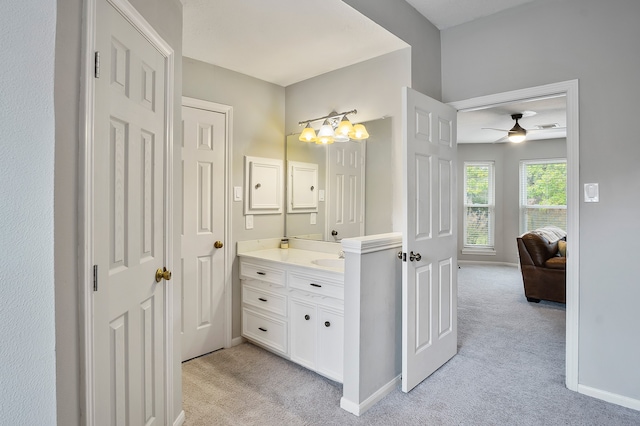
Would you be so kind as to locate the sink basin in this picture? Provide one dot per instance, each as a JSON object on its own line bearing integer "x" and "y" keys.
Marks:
{"x": 331, "y": 263}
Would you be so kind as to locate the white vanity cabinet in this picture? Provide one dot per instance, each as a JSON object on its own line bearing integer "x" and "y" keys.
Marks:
{"x": 264, "y": 305}
{"x": 317, "y": 334}
{"x": 296, "y": 312}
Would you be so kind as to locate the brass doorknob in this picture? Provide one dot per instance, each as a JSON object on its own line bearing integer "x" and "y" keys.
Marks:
{"x": 163, "y": 273}
{"x": 218, "y": 244}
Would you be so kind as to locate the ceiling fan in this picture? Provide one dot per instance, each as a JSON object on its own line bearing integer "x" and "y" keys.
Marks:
{"x": 517, "y": 133}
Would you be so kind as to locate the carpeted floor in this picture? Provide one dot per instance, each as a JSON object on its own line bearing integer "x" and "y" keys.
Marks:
{"x": 509, "y": 371}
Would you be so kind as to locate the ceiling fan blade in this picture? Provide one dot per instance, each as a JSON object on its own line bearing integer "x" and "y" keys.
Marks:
{"x": 502, "y": 140}
{"x": 493, "y": 128}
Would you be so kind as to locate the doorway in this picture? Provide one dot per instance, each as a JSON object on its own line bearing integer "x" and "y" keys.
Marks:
{"x": 570, "y": 90}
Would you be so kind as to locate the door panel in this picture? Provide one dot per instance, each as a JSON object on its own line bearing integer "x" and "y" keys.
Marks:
{"x": 429, "y": 274}
{"x": 303, "y": 333}
{"x": 203, "y": 155}
{"x": 129, "y": 221}
{"x": 346, "y": 189}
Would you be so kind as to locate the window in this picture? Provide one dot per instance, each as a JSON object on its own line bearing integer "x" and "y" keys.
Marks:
{"x": 479, "y": 207}
{"x": 543, "y": 194}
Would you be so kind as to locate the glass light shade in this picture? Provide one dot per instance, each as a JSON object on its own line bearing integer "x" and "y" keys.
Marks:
{"x": 517, "y": 134}
{"x": 359, "y": 132}
{"x": 517, "y": 138}
{"x": 326, "y": 134}
{"x": 325, "y": 140}
{"x": 344, "y": 128}
{"x": 308, "y": 134}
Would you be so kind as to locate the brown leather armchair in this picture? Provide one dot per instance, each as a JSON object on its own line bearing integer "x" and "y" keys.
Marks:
{"x": 543, "y": 270}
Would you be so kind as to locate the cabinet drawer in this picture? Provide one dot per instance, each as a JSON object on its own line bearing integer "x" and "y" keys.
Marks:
{"x": 260, "y": 272}
{"x": 263, "y": 299}
{"x": 313, "y": 284}
{"x": 270, "y": 332}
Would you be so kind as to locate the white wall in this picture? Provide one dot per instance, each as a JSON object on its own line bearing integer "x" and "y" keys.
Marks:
{"x": 597, "y": 43}
{"x": 166, "y": 17}
{"x": 258, "y": 130}
{"x": 27, "y": 352}
{"x": 372, "y": 87}
{"x": 506, "y": 158}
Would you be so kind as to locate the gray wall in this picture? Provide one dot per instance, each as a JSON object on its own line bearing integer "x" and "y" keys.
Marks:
{"x": 401, "y": 19}
{"x": 258, "y": 130}
{"x": 27, "y": 351}
{"x": 166, "y": 17}
{"x": 597, "y": 43}
{"x": 506, "y": 158}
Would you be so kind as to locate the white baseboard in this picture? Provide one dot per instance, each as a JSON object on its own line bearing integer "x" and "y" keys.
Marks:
{"x": 357, "y": 409}
{"x": 613, "y": 398}
{"x": 180, "y": 419}
{"x": 237, "y": 341}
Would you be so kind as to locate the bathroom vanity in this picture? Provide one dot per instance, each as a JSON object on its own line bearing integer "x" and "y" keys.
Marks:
{"x": 293, "y": 302}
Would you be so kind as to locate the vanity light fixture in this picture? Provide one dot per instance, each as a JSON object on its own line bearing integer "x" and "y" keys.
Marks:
{"x": 336, "y": 127}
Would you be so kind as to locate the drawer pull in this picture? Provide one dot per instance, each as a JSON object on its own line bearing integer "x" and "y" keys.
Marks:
{"x": 262, "y": 299}
{"x": 315, "y": 285}
{"x": 264, "y": 329}
{"x": 327, "y": 324}
{"x": 307, "y": 317}
{"x": 261, "y": 273}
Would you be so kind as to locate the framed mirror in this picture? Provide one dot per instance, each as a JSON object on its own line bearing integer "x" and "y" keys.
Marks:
{"x": 354, "y": 188}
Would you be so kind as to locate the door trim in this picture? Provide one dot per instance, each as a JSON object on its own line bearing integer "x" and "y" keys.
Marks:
{"x": 228, "y": 255}
{"x": 570, "y": 90}
{"x": 85, "y": 203}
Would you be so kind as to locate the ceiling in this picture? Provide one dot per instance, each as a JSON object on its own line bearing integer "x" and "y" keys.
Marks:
{"x": 538, "y": 117}
{"x": 288, "y": 41}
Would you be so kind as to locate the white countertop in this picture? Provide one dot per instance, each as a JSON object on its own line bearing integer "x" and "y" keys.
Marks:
{"x": 292, "y": 256}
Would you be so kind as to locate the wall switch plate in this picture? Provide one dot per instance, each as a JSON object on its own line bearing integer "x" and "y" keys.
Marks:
{"x": 237, "y": 193}
{"x": 591, "y": 193}
{"x": 321, "y": 195}
{"x": 314, "y": 218}
{"x": 248, "y": 221}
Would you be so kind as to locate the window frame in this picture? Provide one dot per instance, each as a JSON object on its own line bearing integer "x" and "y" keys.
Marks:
{"x": 486, "y": 249}
{"x": 522, "y": 199}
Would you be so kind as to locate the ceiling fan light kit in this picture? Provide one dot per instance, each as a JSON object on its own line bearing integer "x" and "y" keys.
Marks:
{"x": 517, "y": 134}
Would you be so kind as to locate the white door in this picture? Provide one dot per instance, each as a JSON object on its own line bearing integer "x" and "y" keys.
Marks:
{"x": 203, "y": 256}
{"x": 130, "y": 137}
{"x": 429, "y": 272}
{"x": 346, "y": 190}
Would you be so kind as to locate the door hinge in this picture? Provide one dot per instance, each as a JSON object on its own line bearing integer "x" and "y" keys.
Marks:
{"x": 95, "y": 277}
{"x": 402, "y": 256}
{"x": 96, "y": 64}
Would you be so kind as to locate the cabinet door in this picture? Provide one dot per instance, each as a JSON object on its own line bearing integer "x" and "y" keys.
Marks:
{"x": 303, "y": 322}
{"x": 330, "y": 342}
